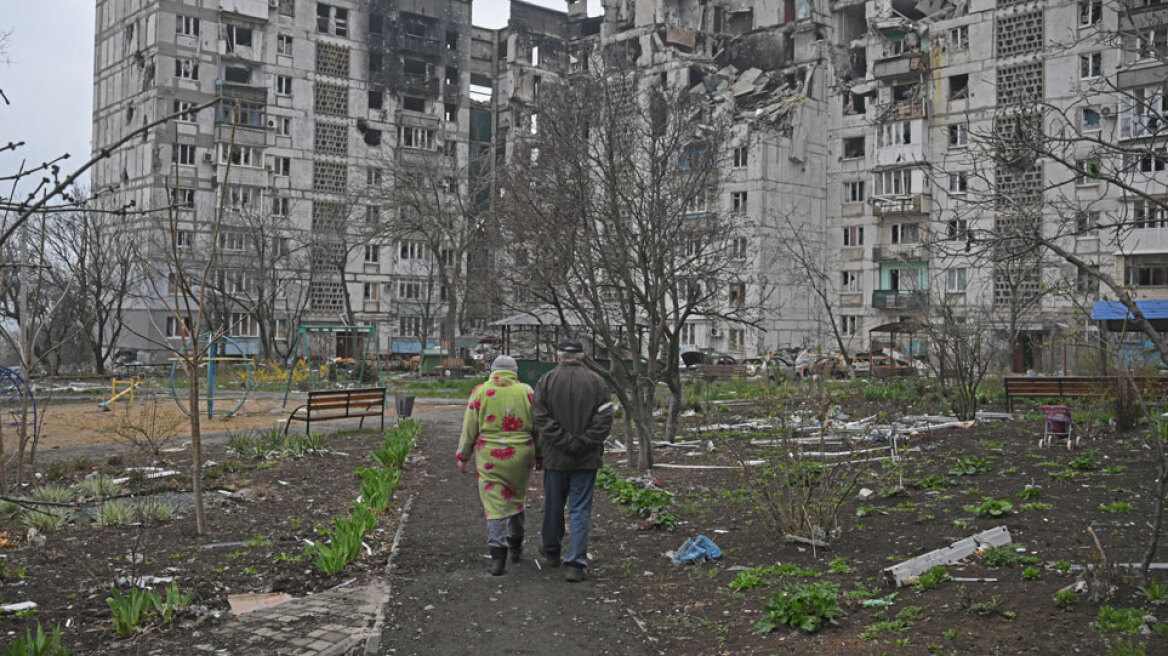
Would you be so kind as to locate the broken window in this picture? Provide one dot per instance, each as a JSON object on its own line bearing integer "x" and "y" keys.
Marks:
{"x": 451, "y": 76}
{"x": 376, "y": 98}
{"x": 1087, "y": 172}
{"x": 451, "y": 112}
{"x": 375, "y": 62}
{"x": 958, "y": 135}
{"x": 282, "y": 165}
{"x": 237, "y": 74}
{"x": 854, "y": 103}
{"x": 412, "y": 104}
{"x": 957, "y": 230}
{"x": 284, "y": 44}
{"x": 412, "y": 137}
{"x": 958, "y": 182}
{"x": 186, "y": 69}
{"x": 238, "y": 155}
{"x": 287, "y": 8}
{"x": 958, "y": 86}
{"x": 332, "y": 20}
{"x": 238, "y": 37}
{"x": 894, "y": 182}
{"x": 738, "y": 248}
{"x": 853, "y": 147}
{"x": 738, "y": 293}
{"x": 183, "y": 198}
{"x": 851, "y": 281}
{"x": 1086, "y": 223}
{"x": 959, "y": 38}
{"x": 182, "y": 108}
{"x": 905, "y": 233}
{"x": 452, "y": 41}
{"x": 375, "y": 23}
{"x": 896, "y": 133}
{"x": 1147, "y": 271}
{"x": 373, "y": 214}
{"x": 186, "y": 25}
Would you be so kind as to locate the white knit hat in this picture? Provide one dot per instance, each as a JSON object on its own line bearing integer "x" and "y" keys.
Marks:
{"x": 506, "y": 363}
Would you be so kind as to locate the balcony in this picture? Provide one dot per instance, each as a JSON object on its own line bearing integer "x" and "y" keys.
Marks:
{"x": 419, "y": 83}
{"x": 420, "y": 45}
{"x": 903, "y": 109}
{"x": 242, "y": 91}
{"x": 450, "y": 93}
{"x": 894, "y": 299}
{"x": 907, "y": 65}
{"x": 902, "y": 204}
{"x": 900, "y": 253}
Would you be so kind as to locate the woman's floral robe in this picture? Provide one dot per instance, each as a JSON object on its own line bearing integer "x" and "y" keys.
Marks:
{"x": 499, "y": 430}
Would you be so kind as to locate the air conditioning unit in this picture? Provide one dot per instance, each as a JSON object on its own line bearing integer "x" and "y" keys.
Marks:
{"x": 714, "y": 332}
{"x": 273, "y": 3}
{"x": 272, "y": 121}
{"x": 1107, "y": 111}
{"x": 207, "y": 158}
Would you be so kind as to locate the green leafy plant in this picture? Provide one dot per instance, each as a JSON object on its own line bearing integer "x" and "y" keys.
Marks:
{"x": 1037, "y": 505}
{"x": 990, "y": 506}
{"x": 840, "y": 566}
{"x": 1117, "y": 507}
{"x": 117, "y": 513}
{"x": 1065, "y": 599}
{"x": 1129, "y": 647}
{"x": 1031, "y": 574}
{"x": 1119, "y": 620}
{"x": 130, "y": 610}
{"x": 99, "y": 487}
{"x": 801, "y": 606}
{"x": 756, "y": 576}
{"x": 1085, "y": 462}
{"x": 1063, "y": 567}
{"x": 936, "y": 483}
{"x": 154, "y": 511}
{"x": 1154, "y": 593}
{"x": 932, "y": 578}
{"x": 53, "y": 494}
{"x": 1030, "y": 492}
{"x": 903, "y": 622}
{"x": 37, "y": 643}
{"x": 1064, "y": 475}
{"x": 865, "y": 511}
{"x": 176, "y": 600}
{"x": 968, "y": 466}
{"x": 665, "y": 521}
{"x": 1006, "y": 556}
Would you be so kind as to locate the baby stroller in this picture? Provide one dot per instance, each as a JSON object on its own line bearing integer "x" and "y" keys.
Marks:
{"x": 1058, "y": 425}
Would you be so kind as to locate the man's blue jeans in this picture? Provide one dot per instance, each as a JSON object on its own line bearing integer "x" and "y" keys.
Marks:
{"x": 573, "y": 488}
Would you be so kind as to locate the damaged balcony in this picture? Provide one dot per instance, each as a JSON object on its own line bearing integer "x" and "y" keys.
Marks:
{"x": 909, "y": 64}
{"x": 896, "y": 299}
{"x": 421, "y": 45}
{"x": 902, "y": 204}
{"x": 419, "y": 83}
{"x": 900, "y": 253}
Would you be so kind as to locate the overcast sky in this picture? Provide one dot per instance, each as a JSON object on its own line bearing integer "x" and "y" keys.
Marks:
{"x": 47, "y": 75}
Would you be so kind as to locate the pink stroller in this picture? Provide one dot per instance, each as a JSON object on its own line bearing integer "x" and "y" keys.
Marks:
{"x": 1058, "y": 425}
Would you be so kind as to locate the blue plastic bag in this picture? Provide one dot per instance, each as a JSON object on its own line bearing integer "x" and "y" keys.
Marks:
{"x": 696, "y": 549}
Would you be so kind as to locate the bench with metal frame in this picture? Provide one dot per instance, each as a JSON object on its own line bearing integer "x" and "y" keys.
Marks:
{"x": 1065, "y": 387}
{"x": 324, "y": 405}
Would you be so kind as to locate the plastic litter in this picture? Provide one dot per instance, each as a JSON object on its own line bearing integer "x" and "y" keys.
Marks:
{"x": 695, "y": 550}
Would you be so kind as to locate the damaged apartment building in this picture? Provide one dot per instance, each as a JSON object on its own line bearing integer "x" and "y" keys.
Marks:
{"x": 853, "y": 121}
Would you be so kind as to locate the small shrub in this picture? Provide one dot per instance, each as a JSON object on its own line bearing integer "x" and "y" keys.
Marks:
{"x": 1129, "y": 647}
{"x": 1085, "y": 462}
{"x": 1005, "y": 556}
{"x": 935, "y": 483}
{"x": 37, "y": 644}
{"x": 801, "y": 606}
{"x": 1064, "y": 475}
{"x": 665, "y": 521}
{"x": 8, "y": 508}
{"x": 99, "y": 487}
{"x": 1119, "y": 620}
{"x": 1063, "y": 567}
{"x": 1031, "y": 574}
{"x": 117, "y": 513}
{"x": 154, "y": 511}
{"x": 147, "y": 426}
{"x": 1035, "y": 506}
{"x": 130, "y": 610}
{"x": 968, "y": 466}
{"x": 1065, "y": 600}
{"x": 53, "y": 494}
{"x": 840, "y": 566}
{"x": 44, "y": 520}
{"x": 1154, "y": 593}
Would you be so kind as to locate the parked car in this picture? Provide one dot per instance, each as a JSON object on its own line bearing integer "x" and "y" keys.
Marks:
{"x": 827, "y": 364}
{"x": 722, "y": 358}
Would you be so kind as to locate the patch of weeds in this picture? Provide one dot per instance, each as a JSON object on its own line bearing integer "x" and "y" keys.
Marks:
{"x": 992, "y": 444}
{"x": 288, "y": 558}
{"x": 1117, "y": 507}
{"x": 968, "y": 466}
{"x": 1005, "y": 556}
{"x": 840, "y": 566}
{"x": 8, "y": 508}
{"x": 865, "y": 511}
{"x": 1010, "y": 470}
{"x": 98, "y": 487}
{"x": 757, "y": 576}
{"x": 1037, "y": 505}
{"x": 949, "y": 634}
{"x": 1154, "y": 593}
{"x": 665, "y": 521}
{"x": 1030, "y": 493}
{"x": 1031, "y": 574}
{"x": 45, "y": 520}
{"x": 253, "y": 571}
{"x": 1119, "y": 620}
{"x": 972, "y": 491}
{"x": 932, "y": 578}
{"x": 960, "y": 523}
{"x": 990, "y": 506}
{"x": 1113, "y": 469}
{"x": 1064, "y": 475}
{"x": 132, "y": 610}
{"x": 935, "y": 483}
{"x": 178, "y": 556}
{"x": 236, "y": 554}
{"x": 862, "y": 592}
{"x": 117, "y": 513}
{"x": 1065, "y": 600}
{"x": 258, "y": 541}
{"x": 1049, "y": 464}
{"x": 1063, "y": 567}
{"x": 155, "y": 511}
{"x": 1085, "y": 462}
{"x": 53, "y": 494}
{"x": 903, "y": 622}
{"x": 806, "y": 607}
{"x": 1128, "y": 647}
{"x": 37, "y": 643}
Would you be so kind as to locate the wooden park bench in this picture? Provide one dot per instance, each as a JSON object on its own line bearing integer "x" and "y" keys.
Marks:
{"x": 1063, "y": 387}
{"x": 713, "y": 371}
{"x": 324, "y": 405}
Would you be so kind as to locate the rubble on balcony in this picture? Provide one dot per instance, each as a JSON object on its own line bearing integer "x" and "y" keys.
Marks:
{"x": 755, "y": 95}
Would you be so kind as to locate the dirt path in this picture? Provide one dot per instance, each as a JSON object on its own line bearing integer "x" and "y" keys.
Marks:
{"x": 444, "y": 602}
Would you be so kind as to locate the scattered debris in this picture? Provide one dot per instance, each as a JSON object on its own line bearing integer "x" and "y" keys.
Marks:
{"x": 17, "y": 607}
{"x": 241, "y": 604}
{"x": 146, "y": 582}
{"x": 695, "y": 550}
{"x": 900, "y": 573}
{"x": 802, "y": 540}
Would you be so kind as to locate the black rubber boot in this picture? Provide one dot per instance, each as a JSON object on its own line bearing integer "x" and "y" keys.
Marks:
{"x": 498, "y": 560}
{"x": 515, "y": 547}
{"x": 550, "y": 559}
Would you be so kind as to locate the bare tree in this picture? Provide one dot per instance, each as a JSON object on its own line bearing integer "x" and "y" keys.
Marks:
{"x": 604, "y": 217}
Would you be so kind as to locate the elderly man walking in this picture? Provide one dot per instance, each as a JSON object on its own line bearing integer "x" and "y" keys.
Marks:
{"x": 573, "y": 416}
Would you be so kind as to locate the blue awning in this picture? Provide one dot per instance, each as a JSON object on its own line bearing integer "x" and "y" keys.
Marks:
{"x": 1116, "y": 311}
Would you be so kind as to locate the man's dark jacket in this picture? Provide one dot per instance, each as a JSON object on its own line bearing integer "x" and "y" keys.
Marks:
{"x": 567, "y": 415}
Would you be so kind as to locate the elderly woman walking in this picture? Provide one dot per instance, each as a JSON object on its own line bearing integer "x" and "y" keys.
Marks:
{"x": 498, "y": 430}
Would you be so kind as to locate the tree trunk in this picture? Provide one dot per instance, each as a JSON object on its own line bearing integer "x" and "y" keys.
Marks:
{"x": 643, "y": 422}
{"x": 3, "y": 463}
{"x": 196, "y": 448}
{"x": 676, "y": 406}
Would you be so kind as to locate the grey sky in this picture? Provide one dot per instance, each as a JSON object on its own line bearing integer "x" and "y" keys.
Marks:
{"x": 48, "y": 77}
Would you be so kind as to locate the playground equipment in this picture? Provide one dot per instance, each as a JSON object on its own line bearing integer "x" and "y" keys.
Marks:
{"x": 337, "y": 357}
{"x": 13, "y": 392}
{"x": 130, "y": 385}
{"x": 229, "y": 375}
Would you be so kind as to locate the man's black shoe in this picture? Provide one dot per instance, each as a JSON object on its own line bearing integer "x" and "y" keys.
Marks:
{"x": 551, "y": 560}
{"x": 575, "y": 574}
